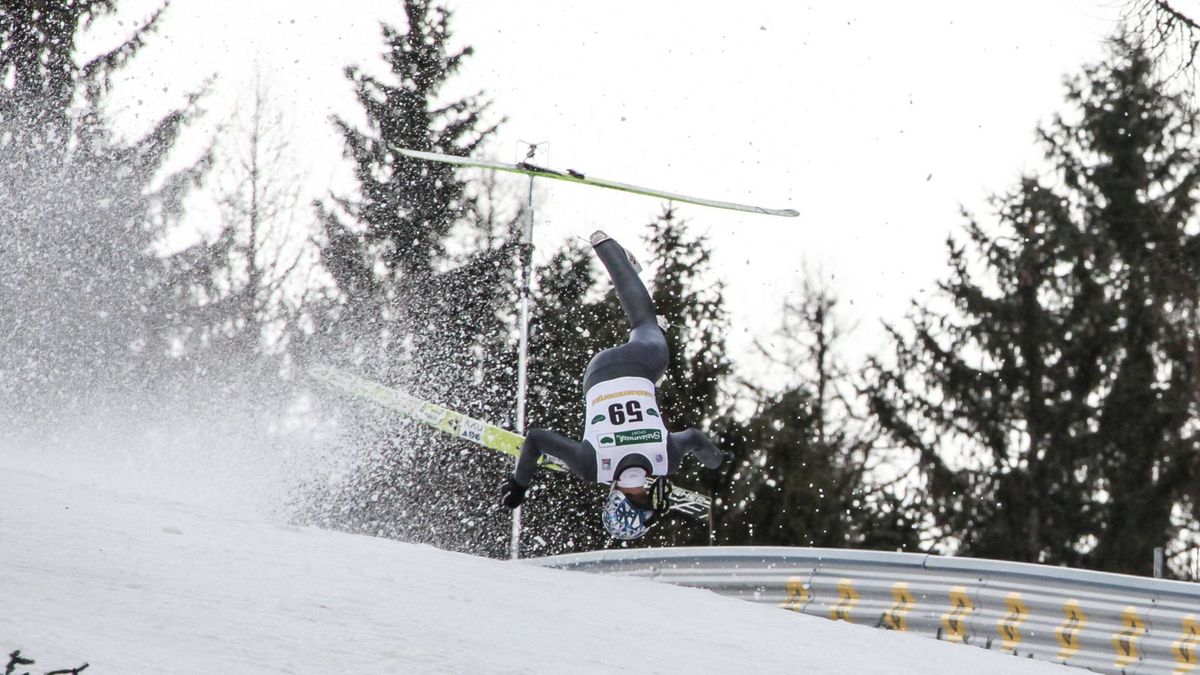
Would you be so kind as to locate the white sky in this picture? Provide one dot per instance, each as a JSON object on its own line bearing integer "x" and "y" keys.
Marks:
{"x": 876, "y": 120}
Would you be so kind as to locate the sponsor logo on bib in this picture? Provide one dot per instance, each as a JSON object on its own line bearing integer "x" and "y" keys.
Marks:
{"x": 622, "y": 394}
{"x": 606, "y": 440}
{"x": 637, "y": 437}
{"x": 597, "y": 419}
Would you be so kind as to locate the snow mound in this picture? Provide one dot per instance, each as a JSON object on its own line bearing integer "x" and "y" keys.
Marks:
{"x": 134, "y": 584}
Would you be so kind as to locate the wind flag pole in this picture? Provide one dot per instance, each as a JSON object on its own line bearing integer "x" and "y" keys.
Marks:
{"x": 523, "y": 348}
{"x": 570, "y": 176}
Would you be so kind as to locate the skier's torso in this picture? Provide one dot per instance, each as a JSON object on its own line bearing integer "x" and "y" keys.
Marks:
{"x": 623, "y": 419}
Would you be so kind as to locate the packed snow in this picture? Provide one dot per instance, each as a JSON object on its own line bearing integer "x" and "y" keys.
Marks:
{"x": 132, "y": 583}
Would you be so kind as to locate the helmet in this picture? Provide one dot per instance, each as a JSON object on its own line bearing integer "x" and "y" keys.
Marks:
{"x": 623, "y": 519}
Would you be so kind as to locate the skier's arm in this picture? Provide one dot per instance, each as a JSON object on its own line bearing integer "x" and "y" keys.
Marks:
{"x": 578, "y": 457}
{"x": 692, "y": 441}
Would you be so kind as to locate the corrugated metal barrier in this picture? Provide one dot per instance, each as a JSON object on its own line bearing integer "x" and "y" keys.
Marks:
{"x": 1110, "y": 623}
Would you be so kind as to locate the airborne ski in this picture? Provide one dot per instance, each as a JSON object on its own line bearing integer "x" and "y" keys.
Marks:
{"x": 573, "y": 176}
{"x": 458, "y": 425}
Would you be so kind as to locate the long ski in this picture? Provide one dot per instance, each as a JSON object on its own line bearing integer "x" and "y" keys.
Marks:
{"x": 467, "y": 428}
{"x": 573, "y": 176}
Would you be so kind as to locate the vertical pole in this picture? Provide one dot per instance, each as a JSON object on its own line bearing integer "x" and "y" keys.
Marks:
{"x": 1158, "y": 562}
{"x": 523, "y": 347}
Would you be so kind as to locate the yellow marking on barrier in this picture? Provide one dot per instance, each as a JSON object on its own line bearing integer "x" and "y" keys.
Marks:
{"x": 798, "y": 594}
{"x": 1009, "y": 625}
{"x": 896, "y": 618}
{"x": 847, "y": 599}
{"x": 1125, "y": 643}
{"x": 954, "y": 622}
{"x": 1185, "y": 648}
{"x": 1068, "y": 632}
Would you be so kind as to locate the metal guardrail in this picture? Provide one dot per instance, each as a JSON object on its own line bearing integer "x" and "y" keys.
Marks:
{"x": 1110, "y": 623}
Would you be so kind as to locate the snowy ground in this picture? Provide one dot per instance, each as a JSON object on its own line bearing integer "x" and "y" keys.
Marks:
{"x": 136, "y": 584}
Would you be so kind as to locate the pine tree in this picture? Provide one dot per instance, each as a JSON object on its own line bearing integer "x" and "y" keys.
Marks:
{"x": 1051, "y": 398}
{"x": 387, "y": 242}
{"x": 692, "y": 304}
{"x": 806, "y": 468}
{"x": 570, "y": 322}
{"x": 412, "y": 309}
{"x": 690, "y": 394}
{"x": 81, "y": 211}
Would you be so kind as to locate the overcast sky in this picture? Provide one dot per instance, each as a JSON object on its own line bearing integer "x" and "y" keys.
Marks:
{"x": 876, "y": 120}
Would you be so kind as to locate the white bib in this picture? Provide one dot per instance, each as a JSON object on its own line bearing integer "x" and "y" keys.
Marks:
{"x": 623, "y": 419}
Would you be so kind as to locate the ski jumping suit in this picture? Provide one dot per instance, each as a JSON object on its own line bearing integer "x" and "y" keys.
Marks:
{"x": 624, "y": 427}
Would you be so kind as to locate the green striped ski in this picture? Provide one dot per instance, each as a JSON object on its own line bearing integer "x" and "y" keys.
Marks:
{"x": 572, "y": 176}
{"x": 430, "y": 414}
{"x": 467, "y": 428}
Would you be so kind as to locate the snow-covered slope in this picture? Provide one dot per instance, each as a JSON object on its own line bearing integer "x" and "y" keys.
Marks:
{"x": 134, "y": 584}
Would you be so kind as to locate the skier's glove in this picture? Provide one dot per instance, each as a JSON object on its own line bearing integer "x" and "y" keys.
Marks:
{"x": 512, "y": 493}
{"x": 660, "y": 491}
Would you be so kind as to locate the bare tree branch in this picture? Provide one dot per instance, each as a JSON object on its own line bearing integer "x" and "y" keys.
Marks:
{"x": 1170, "y": 35}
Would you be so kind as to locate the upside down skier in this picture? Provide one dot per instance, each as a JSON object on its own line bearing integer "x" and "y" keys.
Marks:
{"x": 625, "y": 439}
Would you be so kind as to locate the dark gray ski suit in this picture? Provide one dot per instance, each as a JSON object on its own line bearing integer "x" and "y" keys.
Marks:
{"x": 645, "y": 356}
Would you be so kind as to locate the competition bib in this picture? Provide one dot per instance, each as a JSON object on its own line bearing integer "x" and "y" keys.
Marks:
{"x": 623, "y": 419}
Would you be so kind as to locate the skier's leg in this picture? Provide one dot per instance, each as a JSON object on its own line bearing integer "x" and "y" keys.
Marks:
{"x": 632, "y": 293}
{"x": 579, "y": 457}
{"x": 691, "y": 441}
{"x": 646, "y": 354}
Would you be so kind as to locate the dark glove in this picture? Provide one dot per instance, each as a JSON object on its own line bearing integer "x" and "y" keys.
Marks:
{"x": 660, "y": 495}
{"x": 512, "y": 493}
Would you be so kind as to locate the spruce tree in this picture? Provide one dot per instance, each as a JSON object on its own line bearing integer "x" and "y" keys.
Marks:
{"x": 691, "y": 393}
{"x": 411, "y": 309}
{"x": 387, "y": 241}
{"x": 571, "y": 321}
{"x": 693, "y": 306}
{"x": 807, "y": 462}
{"x": 86, "y": 319}
{"x": 1050, "y": 394}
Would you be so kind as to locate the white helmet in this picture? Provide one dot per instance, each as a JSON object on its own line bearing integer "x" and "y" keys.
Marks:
{"x": 623, "y": 519}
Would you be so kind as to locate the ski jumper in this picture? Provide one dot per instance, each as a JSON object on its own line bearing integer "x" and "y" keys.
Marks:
{"x": 624, "y": 426}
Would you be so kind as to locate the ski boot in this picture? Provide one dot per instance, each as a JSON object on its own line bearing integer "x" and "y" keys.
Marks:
{"x": 599, "y": 236}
